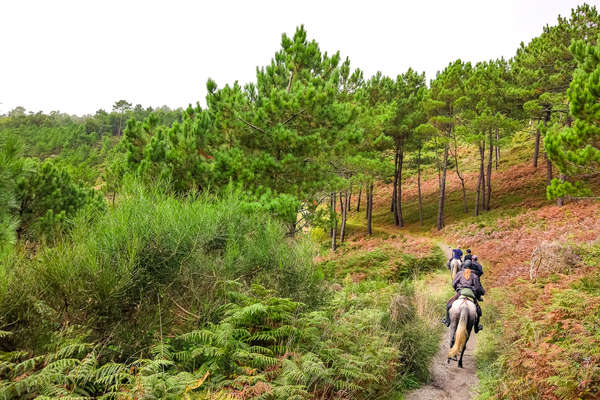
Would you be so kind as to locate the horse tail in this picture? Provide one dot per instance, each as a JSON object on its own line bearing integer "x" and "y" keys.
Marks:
{"x": 460, "y": 337}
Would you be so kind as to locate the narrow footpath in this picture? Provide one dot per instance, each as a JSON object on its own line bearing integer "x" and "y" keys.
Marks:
{"x": 448, "y": 382}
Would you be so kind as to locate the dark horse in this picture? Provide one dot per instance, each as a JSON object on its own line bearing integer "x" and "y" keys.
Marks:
{"x": 463, "y": 315}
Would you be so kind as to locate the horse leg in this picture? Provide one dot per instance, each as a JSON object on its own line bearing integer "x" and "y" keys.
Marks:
{"x": 453, "y": 326}
{"x": 460, "y": 364}
{"x": 462, "y": 353}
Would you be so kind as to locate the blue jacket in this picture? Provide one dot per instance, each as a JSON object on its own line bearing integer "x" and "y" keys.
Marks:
{"x": 457, "y": 254}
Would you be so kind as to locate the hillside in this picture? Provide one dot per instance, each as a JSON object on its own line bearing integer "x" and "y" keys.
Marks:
{"x": 541, "y": 322}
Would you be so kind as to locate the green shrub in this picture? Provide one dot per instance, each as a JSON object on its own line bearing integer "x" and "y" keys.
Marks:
{"x": 114, "y": 271}
{"x": 411, "y": 266}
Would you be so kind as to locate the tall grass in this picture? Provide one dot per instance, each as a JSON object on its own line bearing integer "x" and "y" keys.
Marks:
{"x": 152, "y": 261}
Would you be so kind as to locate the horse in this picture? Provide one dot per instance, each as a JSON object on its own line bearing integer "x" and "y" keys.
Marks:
{"x": 455, "y": 265}
{"x": 463, "y": 315}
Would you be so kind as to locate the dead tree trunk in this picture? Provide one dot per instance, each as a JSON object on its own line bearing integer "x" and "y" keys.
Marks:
{"x": 440, "y": 216}
{"x": 358, "y": 202}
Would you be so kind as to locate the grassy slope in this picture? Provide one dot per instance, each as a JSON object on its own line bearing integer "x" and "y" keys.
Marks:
{"x": 541, "y": 337}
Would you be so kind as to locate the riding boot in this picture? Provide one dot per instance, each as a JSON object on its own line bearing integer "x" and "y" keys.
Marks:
{"x": 477, "y": 326}
{"x": 446, "y": 320}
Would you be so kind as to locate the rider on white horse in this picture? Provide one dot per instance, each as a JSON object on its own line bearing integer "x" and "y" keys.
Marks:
{"x": 467, "y": 280}
{"x": 456, "y": 255}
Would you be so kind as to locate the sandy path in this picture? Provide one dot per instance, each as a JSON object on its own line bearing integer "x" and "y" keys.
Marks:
{"x": 448, "y": 382}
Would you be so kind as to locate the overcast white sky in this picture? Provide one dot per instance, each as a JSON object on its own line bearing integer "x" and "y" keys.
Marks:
{"x": 79, "y": 56}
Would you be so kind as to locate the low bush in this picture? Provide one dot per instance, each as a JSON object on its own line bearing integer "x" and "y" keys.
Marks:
{"x": 411, "y": 266}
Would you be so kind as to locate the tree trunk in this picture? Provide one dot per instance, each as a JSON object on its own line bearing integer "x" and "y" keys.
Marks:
{"x": 549, "y": 170}
{"x": 419, "y": 186}
{"x": 393, "y": 205}
{"x": 489, "y": 171}
{"x": 398, "y": 207}
{"x": 497, "y": 147}
{"x": 349, "y": 200}
{"x": 462, "y": 180}
{"x": 369, "y": 209}
{"x": 358, "y": 202}
{"x": 344, "y": 216}
{"x": 483, "y": 180}
{"x": 480, "y": 187}
{"x": 333, "y": 223}
{"x": 536, "y": 152}
{"x": 440, "y": 217}
{"x": 548, "y": 161}
{"x": 437, "y": 163}
{"x": 561, "y": 201}
{"x": 341, "y": 203}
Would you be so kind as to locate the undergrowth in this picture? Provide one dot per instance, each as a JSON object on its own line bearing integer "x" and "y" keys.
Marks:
{"x": 546, "y": 345}
{"x": 205, "y": 298}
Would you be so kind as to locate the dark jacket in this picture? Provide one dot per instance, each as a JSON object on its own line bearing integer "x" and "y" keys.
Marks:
{"x": 472, "y": 265}
{"x": 472, "y": 283}
{"x": 477, "y": 268}
{"x": 468, "y": 257}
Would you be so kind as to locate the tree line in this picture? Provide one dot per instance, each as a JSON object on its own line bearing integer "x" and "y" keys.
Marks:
{"x": 310, "y": 131}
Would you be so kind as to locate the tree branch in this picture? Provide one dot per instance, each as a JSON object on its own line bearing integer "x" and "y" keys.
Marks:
{"x": 293, "y": 116}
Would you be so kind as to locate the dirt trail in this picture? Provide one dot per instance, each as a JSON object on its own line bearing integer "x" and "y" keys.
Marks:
{"x": 448, "y": 382}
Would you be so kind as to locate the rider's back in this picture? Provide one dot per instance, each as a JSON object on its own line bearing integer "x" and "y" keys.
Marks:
{"x": 468, "y": 279}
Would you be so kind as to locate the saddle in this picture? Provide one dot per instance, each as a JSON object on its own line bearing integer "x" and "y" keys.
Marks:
{"x": 468, "y": 294}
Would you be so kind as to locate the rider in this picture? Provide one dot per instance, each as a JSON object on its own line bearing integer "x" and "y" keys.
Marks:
{"x": 456, "y": 254}
{"x": 478, "y": 268}
{"x": 467, "y": 283}
{"x": 468, "y": 256}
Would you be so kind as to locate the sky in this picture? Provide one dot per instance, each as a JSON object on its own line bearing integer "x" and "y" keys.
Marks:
{"x": 80, "y": 56}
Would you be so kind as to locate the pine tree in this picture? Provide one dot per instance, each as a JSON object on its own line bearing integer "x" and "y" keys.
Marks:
{"x": 575, "y": 149}
{"x": 446, "y": 89}
{"x": 544, "y": 67}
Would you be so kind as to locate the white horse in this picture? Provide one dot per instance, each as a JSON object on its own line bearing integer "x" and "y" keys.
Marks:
{"x": 463, "y": 315}
{"x": 455, "y": 266}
